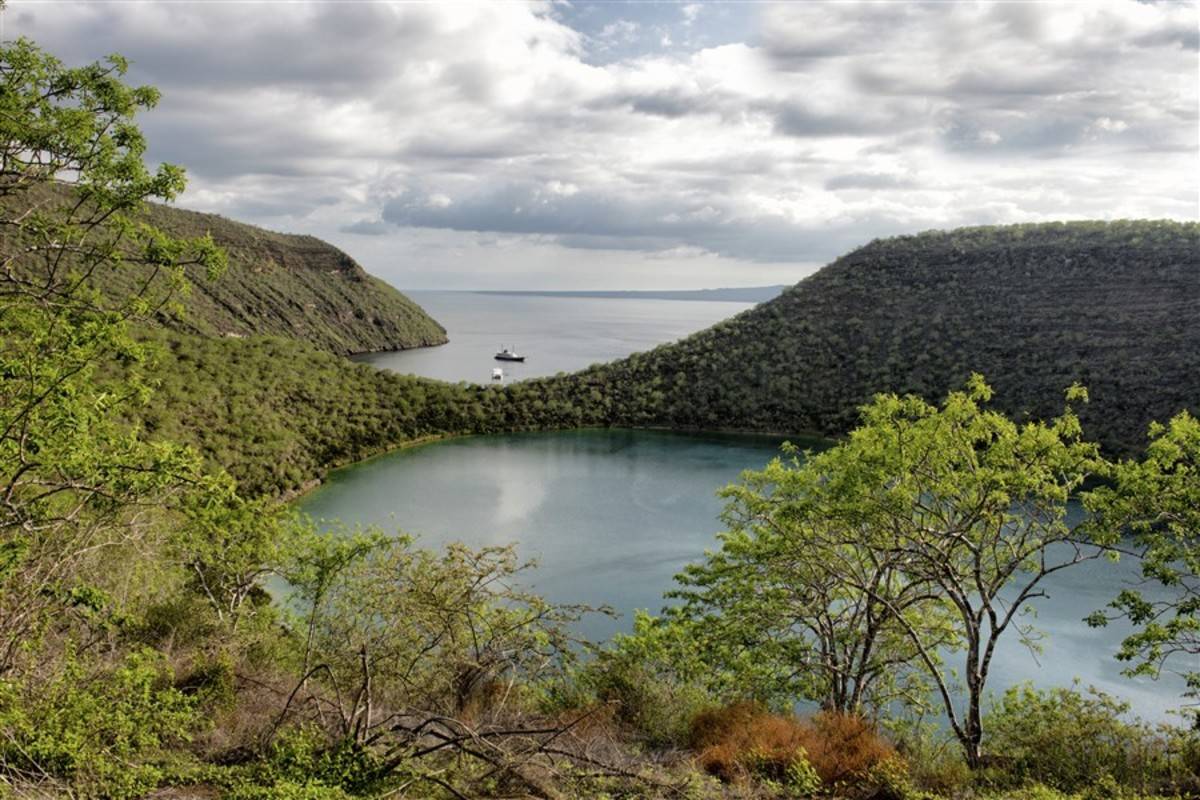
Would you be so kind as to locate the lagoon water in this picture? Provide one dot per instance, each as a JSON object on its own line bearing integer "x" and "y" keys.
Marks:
{"x": 613, "y": 515}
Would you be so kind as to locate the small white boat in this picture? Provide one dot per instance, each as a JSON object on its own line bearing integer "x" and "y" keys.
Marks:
{"x": 497, "y": 374}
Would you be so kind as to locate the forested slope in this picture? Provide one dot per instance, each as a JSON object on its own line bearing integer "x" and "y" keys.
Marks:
{"x": 277, "y": 413}
{"x": 1113, "y": 306}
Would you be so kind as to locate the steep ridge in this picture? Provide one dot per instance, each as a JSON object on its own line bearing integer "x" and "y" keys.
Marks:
{"x": 1113, "y": 306}
{"x": 276, "y": 284}
{"x": 295, "y": 286}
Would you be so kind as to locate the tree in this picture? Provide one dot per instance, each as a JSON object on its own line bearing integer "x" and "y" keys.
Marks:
{"x": 1155, "y": 502}
{"x": 974, "y": 507}
{"x": 75, "y": 482}
{"x": 797, "y": 604}
{"x": 934, "y": 524}
{"x": 227, "y": 546}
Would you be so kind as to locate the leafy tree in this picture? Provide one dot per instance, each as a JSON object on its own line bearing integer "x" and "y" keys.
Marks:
{"x": 228, "y": 546}
{"x": 797, "y": 603}
{"x": 74, "y": 481}
{"x": 974, "y": 506}
{"x": 929, "y": 524}
{"x": 1156, "y": 502}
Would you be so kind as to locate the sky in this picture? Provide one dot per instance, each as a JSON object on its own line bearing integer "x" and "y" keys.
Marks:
{"x": 619, "y": 145}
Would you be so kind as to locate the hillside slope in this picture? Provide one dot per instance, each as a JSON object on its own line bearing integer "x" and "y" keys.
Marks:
{"x": 276, "y": 284}
{"x": 1113, "y": 306}
{"x": 1034, "y": 308}
{"x": 295, "y": 286}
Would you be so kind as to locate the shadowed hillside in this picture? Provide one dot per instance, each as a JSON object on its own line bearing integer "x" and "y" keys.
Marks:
{"x": 276, "y": 284}
{"x": 1113, "y": 306}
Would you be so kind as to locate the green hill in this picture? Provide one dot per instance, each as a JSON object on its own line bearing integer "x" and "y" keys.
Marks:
{"x": 1113, "y": 306}
{"x": 276, "y": 284}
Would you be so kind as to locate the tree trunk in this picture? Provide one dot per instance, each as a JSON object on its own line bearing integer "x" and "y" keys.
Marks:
{"x": 972, "y": 729}
{"x": 973, "y": 733}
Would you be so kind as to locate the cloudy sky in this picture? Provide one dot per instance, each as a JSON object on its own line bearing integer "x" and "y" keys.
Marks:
{"x": 652, "y": 144}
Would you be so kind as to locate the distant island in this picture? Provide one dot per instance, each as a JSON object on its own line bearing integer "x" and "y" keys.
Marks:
{"x": 737, "y": 294}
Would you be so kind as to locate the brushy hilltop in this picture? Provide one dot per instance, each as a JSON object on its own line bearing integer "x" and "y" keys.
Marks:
{"x": 1113, "y": 306}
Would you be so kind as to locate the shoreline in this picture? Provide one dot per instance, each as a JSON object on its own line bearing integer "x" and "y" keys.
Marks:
{"x": 351, "y": 353}
{"x": 310, "y": 486}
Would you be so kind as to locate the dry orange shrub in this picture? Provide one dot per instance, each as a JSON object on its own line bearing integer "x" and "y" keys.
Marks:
{"x": 745, "y": 738}
{"x": 842, "y": 747}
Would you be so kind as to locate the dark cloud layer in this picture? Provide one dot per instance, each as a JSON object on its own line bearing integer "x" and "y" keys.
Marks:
{"x": 721, "y": 136}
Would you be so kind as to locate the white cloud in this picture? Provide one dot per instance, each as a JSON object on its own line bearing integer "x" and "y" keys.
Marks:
{"x": 412, "y": 133}
{"x": 622, "y": 31}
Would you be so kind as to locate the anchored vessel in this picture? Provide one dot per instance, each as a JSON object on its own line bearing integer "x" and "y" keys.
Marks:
{"x": 507, "y": 354}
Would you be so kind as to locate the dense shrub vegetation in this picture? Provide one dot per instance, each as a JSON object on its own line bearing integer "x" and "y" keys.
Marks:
{"x": 165, "y": 625}
{"x": 1035, "y": 308}
{"x": 277, "y": 413}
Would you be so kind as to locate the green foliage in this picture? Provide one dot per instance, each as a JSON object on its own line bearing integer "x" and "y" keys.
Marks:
{"x": 86, "y": 496}
{"x": 278, "y": 413}
{"x": 101, "y": 730}
{"x": 801, "y": 779}
{"x": 1155, "y": 501}
{"x": 934, "y": 760}
{"x": 300, "y": 765}
{"x": 793, "y": 606}
{"x": 447, "y": 632}
{"x": 891, "y": 549}
{"x": 649, "y": 680}
{"x": 893, "y": 778}
{"x": 228, "y": 546}
{"x": 1072, "y": 741}
{"x": 79, "y": 486}
{"x": 1033, "y": 307}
